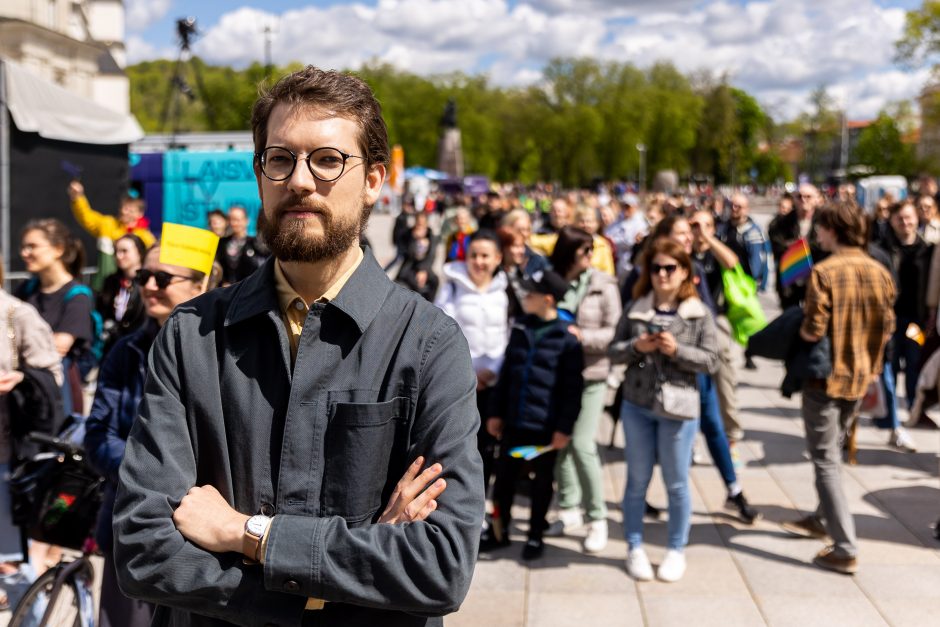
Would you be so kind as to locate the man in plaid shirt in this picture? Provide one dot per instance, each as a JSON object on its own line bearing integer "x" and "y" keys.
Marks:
{"x": 850, "y": 299}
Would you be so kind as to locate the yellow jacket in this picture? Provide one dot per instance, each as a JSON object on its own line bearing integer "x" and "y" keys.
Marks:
{"x": 602, "y": 259}
{"x": 100, "y": 225}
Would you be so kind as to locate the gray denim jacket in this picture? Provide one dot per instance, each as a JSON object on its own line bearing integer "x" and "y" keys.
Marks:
{"x": 381, "y": 376}
{"x": 694, "y": 330}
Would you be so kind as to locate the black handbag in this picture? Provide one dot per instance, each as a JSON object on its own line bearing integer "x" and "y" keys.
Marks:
{"x": 35, "y": 404}
{"x": 56, "y": 498}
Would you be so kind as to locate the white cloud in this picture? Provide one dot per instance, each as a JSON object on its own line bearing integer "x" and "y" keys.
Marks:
{"x": 777, "y": 49}
{"x": 140, "y": 14}
{"x": 140, "y": 50}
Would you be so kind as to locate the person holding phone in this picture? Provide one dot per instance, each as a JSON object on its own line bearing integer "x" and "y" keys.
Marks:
{"x": 666, "y": 338}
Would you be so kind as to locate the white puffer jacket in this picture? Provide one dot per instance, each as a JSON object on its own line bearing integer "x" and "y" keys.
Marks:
{"x": 482, "y": 316}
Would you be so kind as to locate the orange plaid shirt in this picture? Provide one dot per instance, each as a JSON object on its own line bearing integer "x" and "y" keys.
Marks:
{"x": 850, "y": 297}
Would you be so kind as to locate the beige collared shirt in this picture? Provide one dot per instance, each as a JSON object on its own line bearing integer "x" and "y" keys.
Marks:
{"x": 294, "y": 309}
{"x": 294, "y": 313}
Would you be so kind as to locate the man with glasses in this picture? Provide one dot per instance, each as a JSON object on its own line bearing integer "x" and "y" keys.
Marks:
{"x": 742, "y": 235}
{"x": 787, "y": 229}
{"x": 281, "y": 411}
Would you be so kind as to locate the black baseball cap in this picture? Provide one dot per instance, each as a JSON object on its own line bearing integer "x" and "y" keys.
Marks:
{"x": 546, "y": 282}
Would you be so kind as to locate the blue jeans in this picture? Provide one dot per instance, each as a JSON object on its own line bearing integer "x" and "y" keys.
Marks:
{"x": 908, "y": 350}
{"x": 651, "y": 438}
{"x": 714, "y": 430}
{"x": 888, "y": 381}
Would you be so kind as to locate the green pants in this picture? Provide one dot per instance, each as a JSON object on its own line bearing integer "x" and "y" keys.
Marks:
{"x": 578, "y": 469}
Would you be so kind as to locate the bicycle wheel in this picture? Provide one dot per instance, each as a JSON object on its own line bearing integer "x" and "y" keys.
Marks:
{"x": 62, "y": 603}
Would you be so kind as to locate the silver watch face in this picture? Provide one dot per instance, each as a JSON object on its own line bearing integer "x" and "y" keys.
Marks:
{"x": 257, "y": 525}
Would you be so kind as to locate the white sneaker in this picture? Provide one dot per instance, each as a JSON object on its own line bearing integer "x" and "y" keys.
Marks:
{"x": 638, "y": 565}
{"x": 568, "y": 521}
{"x": 699, "y": 454}
{"x": 902, "y": 440}
{"x": 673, "y": 566}
{"x": 596, "y": 538}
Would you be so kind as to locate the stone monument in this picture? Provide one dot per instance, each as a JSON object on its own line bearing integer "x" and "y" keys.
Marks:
{"x": 449, "y": 151}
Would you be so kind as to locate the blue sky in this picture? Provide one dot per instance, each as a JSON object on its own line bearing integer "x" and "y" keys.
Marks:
{"x": 777, "y": 49}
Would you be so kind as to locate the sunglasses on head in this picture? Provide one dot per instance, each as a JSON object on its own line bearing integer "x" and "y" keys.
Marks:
{"x": 669, "y": 268}
{"x": 163, "y": 279}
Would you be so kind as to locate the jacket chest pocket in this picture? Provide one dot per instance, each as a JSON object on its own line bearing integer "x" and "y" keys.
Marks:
{"x": 359, "y": 443}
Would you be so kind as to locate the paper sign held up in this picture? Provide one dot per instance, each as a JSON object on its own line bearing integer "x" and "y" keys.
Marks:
{"x": 188, "y": 246}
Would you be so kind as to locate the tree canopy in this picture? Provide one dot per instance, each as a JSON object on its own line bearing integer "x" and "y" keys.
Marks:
{"x": 580, "y": 123}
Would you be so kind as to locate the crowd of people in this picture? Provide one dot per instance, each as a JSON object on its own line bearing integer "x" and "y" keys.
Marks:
{"x": 641, "y": 285}
{"x": 565, "y": 303}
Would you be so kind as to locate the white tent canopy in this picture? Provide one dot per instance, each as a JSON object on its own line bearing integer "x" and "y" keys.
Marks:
{"x": 38, "y": 106}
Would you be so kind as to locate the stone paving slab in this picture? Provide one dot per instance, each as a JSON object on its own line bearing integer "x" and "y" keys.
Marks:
{"x": 740, "y": 575}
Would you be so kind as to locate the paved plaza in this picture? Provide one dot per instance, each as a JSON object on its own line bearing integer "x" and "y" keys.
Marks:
{"x": 738, "y": 575}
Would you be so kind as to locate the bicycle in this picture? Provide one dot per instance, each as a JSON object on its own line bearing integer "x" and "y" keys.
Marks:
{"x": 61, "y": 596}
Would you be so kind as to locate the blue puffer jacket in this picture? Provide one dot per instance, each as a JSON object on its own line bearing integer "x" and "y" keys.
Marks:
{"x": 540, "y": 383}
{"x": 120, "y": 388}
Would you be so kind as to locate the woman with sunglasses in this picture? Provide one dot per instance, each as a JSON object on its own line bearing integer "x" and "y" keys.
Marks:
{"x": 593, "y": 301}
{"x": 120, "y": 388}
{"x": 666, "y": 338}
{"x": 679, "y": 230}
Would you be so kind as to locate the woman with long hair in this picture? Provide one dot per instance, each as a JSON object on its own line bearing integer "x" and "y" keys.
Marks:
{"x": 27, "y": 344}
{"x": 119, "y": 302}
{"x": 666, "y": 338}
{"x": 55, "y": 257}
{"x": 593, "y": 300}
{"x": 678, "y": 229}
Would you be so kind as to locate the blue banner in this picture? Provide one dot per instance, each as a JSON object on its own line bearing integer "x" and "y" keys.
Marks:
{"x": 195, "y": 183}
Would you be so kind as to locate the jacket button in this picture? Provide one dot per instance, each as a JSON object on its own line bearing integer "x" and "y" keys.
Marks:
{"x": 642, "y": 364}
{"x": 291, "y": 586}
{"x": 267, "y": 509}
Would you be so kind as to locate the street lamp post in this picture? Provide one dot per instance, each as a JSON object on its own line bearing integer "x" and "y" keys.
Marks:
{"x": 641, "y": 148}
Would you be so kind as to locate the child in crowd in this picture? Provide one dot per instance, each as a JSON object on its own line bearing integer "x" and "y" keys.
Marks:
{"x": 538, "y": 399}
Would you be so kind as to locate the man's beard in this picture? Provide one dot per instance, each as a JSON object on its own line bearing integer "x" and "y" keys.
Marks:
{"x": 289, "y": 241}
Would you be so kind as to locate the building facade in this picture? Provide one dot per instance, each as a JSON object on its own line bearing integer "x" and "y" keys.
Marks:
{"x": 78, "y": 44}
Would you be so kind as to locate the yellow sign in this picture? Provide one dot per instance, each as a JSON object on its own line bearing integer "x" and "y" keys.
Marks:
{"x": 188, "y": 247}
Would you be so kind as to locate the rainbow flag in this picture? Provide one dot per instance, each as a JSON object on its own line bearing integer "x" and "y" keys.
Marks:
{"x": 529, "y": 452}
{"x": 796, "y": 263}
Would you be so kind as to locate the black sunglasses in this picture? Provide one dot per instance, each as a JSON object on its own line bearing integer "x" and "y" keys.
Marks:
{"x": 655, "y": 268}
{"x": 162, "y": 278}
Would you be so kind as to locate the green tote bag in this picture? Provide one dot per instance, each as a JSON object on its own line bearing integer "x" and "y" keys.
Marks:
{"x": 744, "y": 311}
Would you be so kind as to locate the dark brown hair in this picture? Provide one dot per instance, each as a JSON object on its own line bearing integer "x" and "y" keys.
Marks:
{"x": 570, "y": 240}
{"x": 73, "y": 251}
{"x": 671, "y": 248}
{"x": 346, "y": 95}
{"x": 846, "y": 221}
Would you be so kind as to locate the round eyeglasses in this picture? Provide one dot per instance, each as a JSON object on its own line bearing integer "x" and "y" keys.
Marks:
{"x": 325, "y": 164}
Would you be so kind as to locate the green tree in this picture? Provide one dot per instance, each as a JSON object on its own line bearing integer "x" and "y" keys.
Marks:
{"x": 920, "y": 41}
{"x": 880, "y": 147}
{"x": 675, "y": 111}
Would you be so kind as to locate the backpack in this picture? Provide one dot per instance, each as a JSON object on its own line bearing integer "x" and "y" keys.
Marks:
{"x": 97, "y": 322}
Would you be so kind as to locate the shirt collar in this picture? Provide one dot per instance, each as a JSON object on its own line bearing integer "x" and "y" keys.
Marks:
{"x": 360, "y": 298}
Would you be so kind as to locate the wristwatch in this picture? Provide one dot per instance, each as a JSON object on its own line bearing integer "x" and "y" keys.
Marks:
{"x": 255, "y": 528}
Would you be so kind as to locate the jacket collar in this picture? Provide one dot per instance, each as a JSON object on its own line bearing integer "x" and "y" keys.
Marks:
{"x": 142, "y": 339}
{"x": 360, "y": 299}
{"x": 689, "y": 309}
